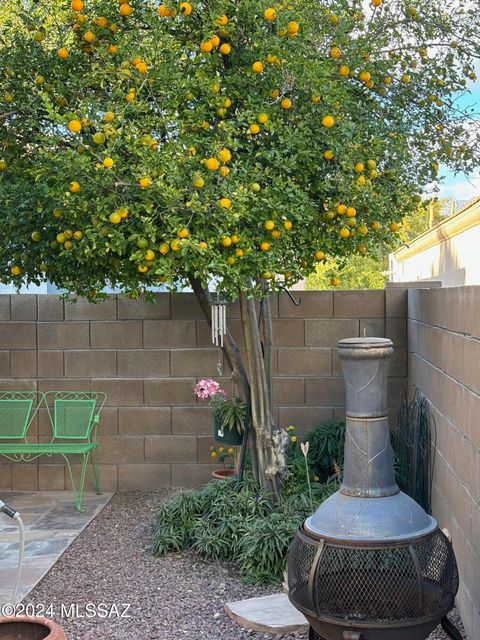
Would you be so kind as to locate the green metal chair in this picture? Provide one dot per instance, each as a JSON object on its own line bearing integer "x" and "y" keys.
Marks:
{"x": 17, "y": 411}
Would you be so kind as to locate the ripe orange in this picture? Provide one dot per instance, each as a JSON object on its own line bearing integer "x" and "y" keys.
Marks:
{"x": 362, "y": 248}
{"x": 239, "y": 253}
{"x": 185, "y": 8}
{"x": 224, "y": 171}
{"x": 334, "y": 19}
{"x": 215, "y": 40}
{"x": 335, "y": 282}
{"x": 3, "y": 165}
{"x": 351, "y": 212}
{"x": 270, "y": 14}
{"x": 74, "y": 186}
{"x": 125, "y": 9}
{"x": 361, "y": 181}
{"x": 183, "y": 233}
{"x": 387, "y": 80}
{"x": 225, "y": 155}
{"x": 287, "y": 224}
{"x": 359, "y": 167}
{"x": 254, "y": 129}
{"x": 293, "y": 27}
{"x": 149, "y": 255}
{"x": 328, "y": 122}
{"x": 163, "y": 11}
{"x": 344, "y": 232}
{"x": 341, "y": 209}
{"x": 376, "y": 3}
{"x": 319, "y": 256}
{"x": 275, "y": 234}
{"x": 130, "y": 97}
{"x": 206, "y": 46}
{"x": 230, "y": 260}
{"x": 222, "y": 20}
{"x": 405, "y": 78}
{"x": 109, "y": 116}
{"x": 371, "y": 164}
{"x": 112, "y": 49}
{"x": 164, "y": 248}
{"x": 15, "y": 270}
{"x": 141, "y": 67}
{"x": 393, "y": 226}
{"x": 257, "y": 67}
{"x": 364, "y": 76}
{"x": 144, "y": 182}
{"x": 213, "y": 164}
{"x": 375, "y": 226}
{"x": 115, "y": 217}
{"x": 335, "y": 53}
{"x": 269, "y": 225}
{"x": 274, "y": 94}
{"x": 286, "y": 103}
{"x": 75, "y": 126}
{"x": 328, "y": 154}
{"x": 344, "y": 71}
{"x": 225, "y": 203}
{"x": 262, "y": 118}
{"x": 226, "y": 241}
{"x": 108, "y": 162}
{"x": 63, "y": 53}
{"x": 363, "y": 229}
{"x": 198, "y": 182}
{"x": 142, "y": 268}
{"x": 61, "y": 238}
{"x": 78, "y": 235}
{"x": 227, "y": 103}
{"x": 123, "y": 211}
{"x": 264, "y": 246}
{"x": 77, "y": 5}
{"x": 175, "y": 245}
{"x": 89, "y": 37}
{"x": 225, "y": 49}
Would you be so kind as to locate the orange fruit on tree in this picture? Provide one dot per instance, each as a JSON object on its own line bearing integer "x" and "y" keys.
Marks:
{"x": 142, "y": 268}
{"x": 274, "y": 94}
{"x": 77, "y": 5}
{"x": 257, "y": 67}
{"x": 226, "y": 241}
{"x": 213, "y": 164}
{"x": 224, "y": 171}
{"x": 394, "y": 226}
{"x": 254, "y": 129}
{"x": 36, "y": 236}
{"x": 344, "y": 232}
{"x": 149, "y": 255}
{"x": 206, "y": 46}
{"x": 364, "y": 76}
{"x": 341, "y": 209}
{"x": 225, "y": 203}
{"x": 163, "y": 11}
{"x": 351, "y": 212}
{"x": 183, "y": 233}
{"x": 375, "y": 226}
{"x": 359, "y": 167}
{"x": 3, "y": 165}
{"x": 315, "y": 99}
{"x": 74, "y": 186}
{"x": 185, "y": 8}
{"x": 275, "y": 233}
{"x": 269, "y": 225}
{"x": 270, "y": 14}
{"x": 287, "y": 224}
{"x": 108, "y": 162}
{"x": 363, "y": 229}
{"x": 222, "y": 20}
{"x": 264, "y": 246}
{"x": 145, "y": 182}
{"x": 115, "y": 217}
{"x": 371, "y": 164}
{"x": 319, "y": 256}
{"x": 78, "y": 235}
{"x": 112, "y": 49}
{"x": 89, "y": 36}
{"x": 328, "y": 154}
{"x": 335, "y": 53}
{"x": 293, "y": 27}
{"x": 198, "y": 182}
{"x": 99, "y": 137}
{"x": 344, "y": 71}
{"x": 262, "y": 118}
{"x": 225, "y": 49}
{"x": 215, "y": 40}
{"x": 63, "y": 53}
{"x": 328, "y": 122}
{"x": 61, "y": 238}
{"x": 361, "y": 181}
{"x": 109, "y": 116}
{"x": 16, "y": 270}
{"x": 141, "y": 67}
{"x": 224, "y": 155}
{"x": 164, "y": 248}
{"x": 75, "y": 126}
{"x": 335, "y": 282}
{"x": 125, "y": 9}
{"x": 235, "y": 238}
{"x": 175, "y": 245}
{"x": 286, "y": 103}
{"x": 239, "y": 253}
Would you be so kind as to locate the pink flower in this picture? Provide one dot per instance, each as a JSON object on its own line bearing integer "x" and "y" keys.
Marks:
{"x": 207, "y": 389}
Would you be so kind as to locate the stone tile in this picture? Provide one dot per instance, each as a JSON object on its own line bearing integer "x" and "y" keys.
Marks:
{"x": 195, "y": 362}
{"x": 126, "y": 334}
{"x": 63, "y": 335}
{"x": 84, "y": 310}
{"x": 129, "y": 309}
{"x": 303, "y": 418}
{"x": 120, "y": 392}
{"x": 170, "y": 449}
{"x": 153, "y": 363}
{"x": 50, "y": 364}
{"x": 192, "y": 420}
{"x": 50, "y": 308}
{"x": 190, "y": 476}
{"x": 4, "y": 364}
{"x": 145, "y": 421}
{"x": 328, "y": 392}
{"x": 4, "y": 308}
{"x": 23, "y": 364}
{"x": 268, "y": 614}
{"x": 395, "y": 303}
{"x": 23, "y": 307}
{"x": 354, "y": 304}
{"x": 326, "y": 332}
{"x": 304, "y": 362}
{"x": 288, "y": 391}
{"x": 288, "y": 332}
{"x": 143, "y": 477}
{"x": 121, "y": 449}
{"x": 169, "y": 334}
{"x": 170, "y": 392}
{"x": 314, "y": 304}
{"x": 87, "y": 364}
{"x": 18, "y": 335}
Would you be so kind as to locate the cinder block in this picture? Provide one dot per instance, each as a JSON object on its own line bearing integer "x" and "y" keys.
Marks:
{"x": 84, "y": 310}
{"x": 184, "y": 306}
{"x": 18, "y": 384}
{"x": 192, "y": 420}
{"x": 51, "y": 477}
{"x": 169, "y": 334}
{"x": 18, "y": 335}
{"x": 363, "y": 304}
{"x": 288, "y": 332}
{"x": 314, "y": 304}
{"x": 326, "y": 332}
{"x": 50, "y": 308}
{"x": 145, "y": 421}
{"x": 395, "y": 303}
{"x": 169, "y": 449}
{"x": 25, "y": 476}
{"x": 120, "y": 449}
{"x": 125, "y": 334}
{"x": 120, "y": 392}
{"x": 372, "y": 327}
{"x": 412, "y": 335}
{"x": 108, "y": 421}
{"x": 205, "y": 444}
{"x": 170, "y": 392}
{"x": 143, "y": 477}
{"x": 304, "y": 362}
{"x": 23, "y": 364}
{"x": 204, "y": 334}
{"x": 108, "y": 478}
{"x": 398, "y": 363}
{"x": 192, "y": 475}
{"x": 303, "y": 418}
{"x": 288, "y": 391}
{"x": 63, "y": 335}
{"x": 64, "y": 384}
{"x": 195, "y": 362}
{"x": 23, "y": 307}
{"x": 5, "y": 364}
{"x": 88, "y": 364}
{"x": 50, "y": 364}
{"x": 472, "y": 315}
{"x": 134, "y": 363}
{"x": 415, "y": 300}
{"x": 5, "y": 476}
{"x": 396, "y": 391}
{"x": 140, "y": 309}
{"x": 5, "y": 308}
{"x": 329, "y": 392}
{"x": 471, "y": 364}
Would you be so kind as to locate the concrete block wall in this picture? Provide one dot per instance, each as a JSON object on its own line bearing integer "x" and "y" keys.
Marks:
{"x": 148, "y": 357}
{"x": 444, "y": 363}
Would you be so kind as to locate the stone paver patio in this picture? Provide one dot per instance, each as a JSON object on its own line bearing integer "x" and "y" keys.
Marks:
{"x": 51, "y": 524}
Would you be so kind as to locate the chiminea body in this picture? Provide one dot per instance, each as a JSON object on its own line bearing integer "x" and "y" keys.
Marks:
{"x": 370, "y": 564}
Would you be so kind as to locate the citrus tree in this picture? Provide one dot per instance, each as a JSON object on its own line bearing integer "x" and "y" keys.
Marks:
{"x": 234, "y": 141}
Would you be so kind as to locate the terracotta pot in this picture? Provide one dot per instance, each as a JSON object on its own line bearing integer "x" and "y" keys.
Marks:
{"x": 30, "y": 628}
{"x": 221, "y": 474}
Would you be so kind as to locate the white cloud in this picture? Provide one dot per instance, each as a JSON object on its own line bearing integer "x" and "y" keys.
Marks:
{"x": 464, "y": 190}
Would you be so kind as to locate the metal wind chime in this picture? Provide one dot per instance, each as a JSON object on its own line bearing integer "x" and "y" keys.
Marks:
{"x": 219, "y": 321}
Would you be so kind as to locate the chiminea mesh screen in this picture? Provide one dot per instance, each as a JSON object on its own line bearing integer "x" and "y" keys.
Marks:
{"x": 368, "y": 583}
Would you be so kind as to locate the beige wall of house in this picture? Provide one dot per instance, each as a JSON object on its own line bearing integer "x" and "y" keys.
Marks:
{"x": 444, "y": 363}
{"x": 449, "y": 252}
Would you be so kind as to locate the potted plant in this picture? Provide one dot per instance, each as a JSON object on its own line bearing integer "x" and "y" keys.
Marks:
{"x": 28, "y": 628}
{"x": 228, "y": 413}
{"x": 227, "y": 457}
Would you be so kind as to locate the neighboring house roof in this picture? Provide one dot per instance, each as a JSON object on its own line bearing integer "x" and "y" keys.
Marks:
{"x": 466, "y": 218}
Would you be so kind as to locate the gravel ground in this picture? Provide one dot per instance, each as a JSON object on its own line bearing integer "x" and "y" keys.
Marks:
{"x": 175, "y": 597}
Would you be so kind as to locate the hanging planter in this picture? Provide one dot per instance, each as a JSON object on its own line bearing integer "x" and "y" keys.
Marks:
{"x": 226, "y": 435}
{"x": 30, "y": 628}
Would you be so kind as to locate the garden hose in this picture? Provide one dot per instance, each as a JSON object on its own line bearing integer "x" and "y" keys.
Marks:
{"x": 5, "y": 508}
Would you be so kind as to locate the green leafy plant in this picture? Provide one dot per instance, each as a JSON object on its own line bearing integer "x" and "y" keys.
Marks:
{"x": 230, "y": 413}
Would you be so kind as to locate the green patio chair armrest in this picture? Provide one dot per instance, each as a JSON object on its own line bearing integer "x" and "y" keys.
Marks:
{"x": 96, "y": 419}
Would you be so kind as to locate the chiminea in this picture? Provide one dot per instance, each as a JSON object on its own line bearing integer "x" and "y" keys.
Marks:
{"x": 370, "y": 563}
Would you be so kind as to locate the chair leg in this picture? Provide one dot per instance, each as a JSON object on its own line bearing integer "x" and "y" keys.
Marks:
{"x": 96, "y": 472}
{"x": 78, "y": 492}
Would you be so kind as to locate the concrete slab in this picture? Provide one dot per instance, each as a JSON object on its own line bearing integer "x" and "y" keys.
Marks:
{"x": 269, "y": 614}
{"x": 51, "y": 524}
